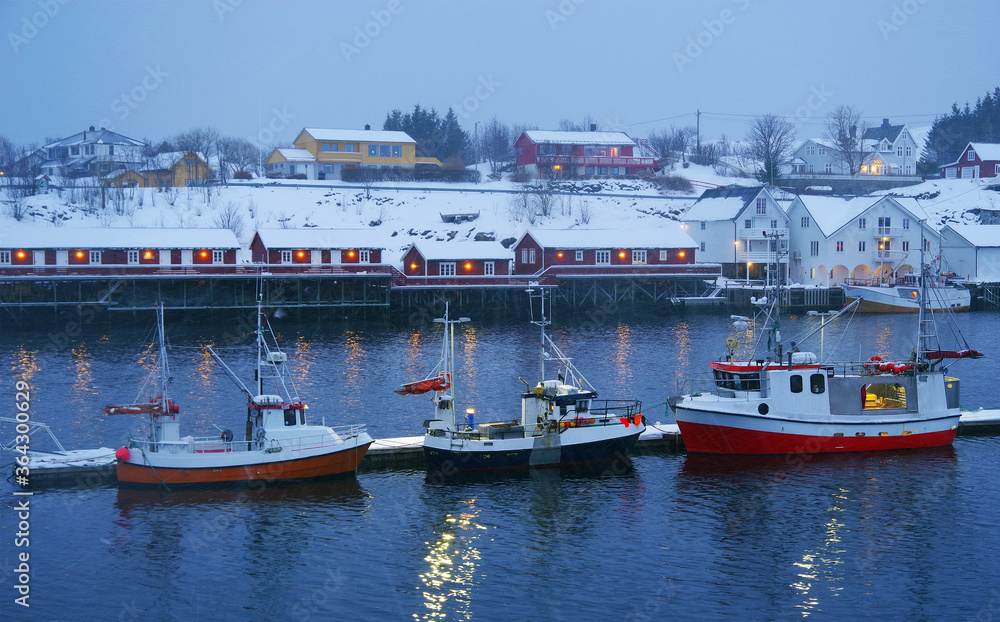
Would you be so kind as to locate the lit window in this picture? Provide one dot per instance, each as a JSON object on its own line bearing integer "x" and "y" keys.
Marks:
{"x": 638, "y": 257}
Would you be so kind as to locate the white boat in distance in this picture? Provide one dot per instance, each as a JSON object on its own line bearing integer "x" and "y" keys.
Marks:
{"x": 279, "y": 445}
{"x": 562, "y": 422}
{"x": 904, "y": 295}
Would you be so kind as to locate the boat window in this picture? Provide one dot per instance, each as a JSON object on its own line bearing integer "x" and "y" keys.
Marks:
{"x": 795, "y": 383}
{"x": 817, "y": 383}
{"x": 882, "y": 395}
{"x": 583, "y": 406}
{"x": 289, "y": 416}
{"x": 302, "y": 417}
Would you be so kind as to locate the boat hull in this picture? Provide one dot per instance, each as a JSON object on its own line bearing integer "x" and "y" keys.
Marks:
{"x": 719, "y": 433}
{"x": 252, "y": 466}
{"x": 899, "y": 300}
{"x": 554, "y": 450}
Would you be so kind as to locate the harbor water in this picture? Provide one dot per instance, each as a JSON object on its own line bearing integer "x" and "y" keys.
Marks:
{"x": 897, "y": 535}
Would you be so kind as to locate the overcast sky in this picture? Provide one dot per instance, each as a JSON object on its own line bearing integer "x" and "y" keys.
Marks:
{"x": 264, "y": 70}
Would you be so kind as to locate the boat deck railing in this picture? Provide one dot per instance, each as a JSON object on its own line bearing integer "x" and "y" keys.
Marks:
{"x": 217, "y": 444}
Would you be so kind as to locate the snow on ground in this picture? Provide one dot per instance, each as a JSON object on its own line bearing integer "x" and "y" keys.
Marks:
{"x": 405, "y": 212}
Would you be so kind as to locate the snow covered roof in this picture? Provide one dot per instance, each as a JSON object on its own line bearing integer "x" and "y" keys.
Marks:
{"x": 163, "y": 161}
{"x": 92, "y": 136}
{"x": 987, "y": 151}
{"x": 724, "y": 203}
{"x": 432, "y": 249}
{"x": 667, "y": 237}
{"x": 315, "y": 238}
{"x": 579, "y": 138}
{"x": 884, "y": 131}
{"x": 364, "y": 136}
{"x": 830, "y": 213}
{"x": 292, "y": 154}
{"x": 980, "y": 236}
{"x": 116, "y": 238}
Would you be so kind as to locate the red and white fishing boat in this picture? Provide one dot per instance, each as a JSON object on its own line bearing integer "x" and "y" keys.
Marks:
{"x": 790, "y": 402}
{"x": 279, "y": 444}
{"x": 561, "y": 421}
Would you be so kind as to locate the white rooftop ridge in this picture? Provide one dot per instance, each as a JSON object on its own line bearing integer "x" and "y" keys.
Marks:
{"x": 316, "y": 238}
{"x": 579, "y": 138}
{"x": 667, "y": 237}
{"x": 980, "y": 236}
{"x": 367, "y": 136}
{"x": 117, "y": 238}
{"x": 433, "y": 249}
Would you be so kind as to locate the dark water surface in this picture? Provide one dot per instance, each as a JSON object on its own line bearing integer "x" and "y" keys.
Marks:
{"x": 908, "y": 535}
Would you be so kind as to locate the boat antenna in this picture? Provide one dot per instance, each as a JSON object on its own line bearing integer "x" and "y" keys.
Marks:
{"x": 542, "y": 321}
{"x": 448, "y": 350}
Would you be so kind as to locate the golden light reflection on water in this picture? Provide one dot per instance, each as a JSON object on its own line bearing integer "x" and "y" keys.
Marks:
{"x": 83, "y": 375}
{"x": 819, "y": 570}
{"x": 624, "y": 350}
{"x": 354, "y": 370}
{"x": 451, "y": 573}
{"x": 304, "y": 359}
{"x": 466, "y": 365}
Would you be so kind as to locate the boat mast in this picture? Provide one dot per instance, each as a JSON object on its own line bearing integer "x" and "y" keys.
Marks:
{"x": 164, "y": 362}
{"x": 448, "y": 358}
{"x": 541, "y": 322}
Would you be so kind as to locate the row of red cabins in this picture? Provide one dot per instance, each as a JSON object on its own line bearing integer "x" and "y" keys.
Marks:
{"x": 537, "y": 256}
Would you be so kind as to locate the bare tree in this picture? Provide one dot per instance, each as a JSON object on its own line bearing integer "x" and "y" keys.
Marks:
{"x": 770, "y": 140}
{"x": 544, "y": 199}
{"x": 231, "y": 217}
{"x": 235, "y": 154}
{"x": 673, "y": 140}
{"x": 845, "y": 130}
{"x": 569, "y": 126}
{"x": 497, "y": 144}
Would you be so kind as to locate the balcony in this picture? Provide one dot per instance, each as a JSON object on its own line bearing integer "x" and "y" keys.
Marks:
{"x": 566, "y": 160}
{"x": 891, "y": 255}
{"x": 761, "y": 257}
{"x": 889, "y": 232}
{"x": 761, "y": 234}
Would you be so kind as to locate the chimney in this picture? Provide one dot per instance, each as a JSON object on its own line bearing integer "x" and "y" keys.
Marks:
{"x": 593, "y": 127}
{"x": 367, "y": 126}
{"x": 885, "y": 122}
{"x": 91, "y": 128}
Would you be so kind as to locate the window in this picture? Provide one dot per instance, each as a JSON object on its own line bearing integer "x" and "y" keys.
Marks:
{"x": 111, "y": 150}
{"x": 747, "y": 224}
{"x": 909, "y": 151}
{"x": 906, "y": 245}
{"x": 602, "y": 170}
{"x": 774, "y": 224}
{"x": 703, "y": 225}
{"x": 906, "y": 223}
{"x": 812, "y": 273}
{"x": 899, "y": 151}
{"x": 74, "y": 151}
{"x": 829, "y": 168}
{"x": 862, "y": 223}
{"x": 397, "y": 151}
{"x": 189, "y": 162}
{"x": 5, "y": 257}
{"x": 289, "y": 417}
{"x": 883, "y": 395}
{"x": 189, "y": 182}
{"x": 286, "y": 256}
{"x": 996, "y": 169}
{"x": 384, "y": 150}
{"x": 579, "y": 255}
{"x": 365, "y": 256}
{"x": 817, "y": 383}
{"x": 701, "y": 247}
{"x": 95, "y": 256}
{"x": 840, "y": 246}
{"x": 761, "y": 205}
{"x": 218, "y": 256}
{"x": 821, "y": 150}
{"x": 861, "y": 246}
{"x": 132, "y": 257}
{"x": 814, "y": 249}
{"x": 927, "y": 246}
{"x": 639, "y": 256}
{"x": 972, "y": 155}
{"x": 327, "y": 168}
{"x": 348, "y": 147}
{"x": 795, "y": 384}
{"x": 804, "y": 223}
{"x": 327, "y": 147}
{"x": 488, "y": 268}
{"x": 590, "y": 170}
{"x": 531, "y": 255}
{"x": 372, "y": 151}
{"x": 524, "y": 255}
{"x": 446, "y": 268}
{"x": 663, "y": 255}
{"x": 602, "y": 257}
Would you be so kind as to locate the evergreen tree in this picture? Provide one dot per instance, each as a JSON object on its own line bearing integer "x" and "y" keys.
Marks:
{"x": 952, "y": 132}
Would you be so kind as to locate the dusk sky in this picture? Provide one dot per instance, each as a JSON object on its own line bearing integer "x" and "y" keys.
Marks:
{"x": 264, "y": 70}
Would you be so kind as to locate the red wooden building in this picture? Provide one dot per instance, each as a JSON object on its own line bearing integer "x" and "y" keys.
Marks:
{"x": 457, "y": 263}
{"x": 348, "y": 250}
{"x": 977, "y": 160}
{"x": 547, "y": 154}
{"x": 607, "y": 252}
{"x": 118, "y": 251}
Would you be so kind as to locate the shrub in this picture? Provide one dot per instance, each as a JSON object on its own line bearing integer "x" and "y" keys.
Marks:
{"x": 242, "y": 175}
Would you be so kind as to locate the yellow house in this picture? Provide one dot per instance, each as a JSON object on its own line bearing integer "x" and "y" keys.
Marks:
{"x": 175, "y": 168}
{"x": 324, "y": 154}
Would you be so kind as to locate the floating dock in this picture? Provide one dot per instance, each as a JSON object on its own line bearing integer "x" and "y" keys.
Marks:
{"x": 91, "y": 467}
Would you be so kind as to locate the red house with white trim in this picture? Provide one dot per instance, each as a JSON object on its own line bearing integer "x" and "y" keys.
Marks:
{"x": 348, "y": 250}
{"x": 553, "y": 154}
{"x": 456, "y": 263}
{"x": 608, "y": 252}
{"x": 977, "y": 160}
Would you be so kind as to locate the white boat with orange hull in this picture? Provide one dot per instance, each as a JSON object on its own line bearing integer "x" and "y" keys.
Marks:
{"x": 279, "y": 445}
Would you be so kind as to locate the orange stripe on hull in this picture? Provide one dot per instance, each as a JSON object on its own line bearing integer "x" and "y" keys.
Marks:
{"x": 869, "y": 306}
{"x": 339, "y": 463}
{"x": 716, "y": 439}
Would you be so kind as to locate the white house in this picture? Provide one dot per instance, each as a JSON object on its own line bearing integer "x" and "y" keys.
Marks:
{"x": 742, "y": 228}
{"x": 887, "y": 150}
{"x": 836, "y": 238}
{"x": 972, "y": 251}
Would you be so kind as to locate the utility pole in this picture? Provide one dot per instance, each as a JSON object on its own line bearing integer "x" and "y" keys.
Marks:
{"x": 697, "y": 148}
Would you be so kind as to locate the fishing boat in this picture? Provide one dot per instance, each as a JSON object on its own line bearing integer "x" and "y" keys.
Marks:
{"x": 279, "y": 444}
{"x": 904, "y": 295}
{"x": 786, "y": 401}
{"x": 561, "y": 422}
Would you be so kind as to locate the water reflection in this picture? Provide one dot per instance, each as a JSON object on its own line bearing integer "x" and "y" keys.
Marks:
{"x": 354, "y": 367}
{"x": 451, "y": 566}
